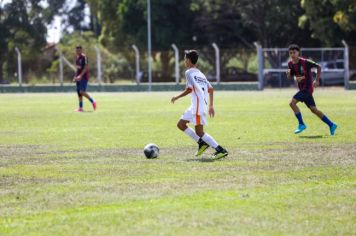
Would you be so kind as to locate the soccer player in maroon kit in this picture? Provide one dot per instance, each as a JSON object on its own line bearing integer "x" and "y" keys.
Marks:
{"x": 301, "y": 69}
{"x": 81, "y": 78}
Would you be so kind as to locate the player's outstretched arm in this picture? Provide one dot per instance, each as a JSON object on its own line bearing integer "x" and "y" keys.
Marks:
{"x": 183, "y": 94}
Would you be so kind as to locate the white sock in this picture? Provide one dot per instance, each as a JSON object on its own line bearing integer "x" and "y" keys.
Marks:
{"x": 190, "y": 132}
{"x": 210, "y": 140}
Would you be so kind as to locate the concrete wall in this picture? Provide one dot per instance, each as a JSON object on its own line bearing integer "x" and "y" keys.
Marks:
{"x": 352, "y": 86}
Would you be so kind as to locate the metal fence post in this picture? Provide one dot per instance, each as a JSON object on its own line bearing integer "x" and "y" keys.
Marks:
{"x": 149, "y": 45}
{"x": 176, "y": 59}
{"x": 19, "y": 66}
{"x": 260, "y": 65}
{"x": 62, "y": 60}
{"x": 98, "y": 64}
{"x": 65, "y": 60}
{"x": 61, "y": 67}
{"x": 137, "y": 56}
{"x": 346, "y": 66}
{"x": 217, "y": 62}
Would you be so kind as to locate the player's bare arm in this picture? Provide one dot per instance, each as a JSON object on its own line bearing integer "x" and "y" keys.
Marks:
{"x": 183, "y": 94}
{"x": 288, "y": 72}
{"x": 316, "y": 83}
{"x": 211, "y": 103}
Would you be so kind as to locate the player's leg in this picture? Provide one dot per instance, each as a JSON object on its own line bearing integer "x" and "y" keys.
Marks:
{"x": 183, "y": 126}
{"x": 83, "y": 88}
{"x": 202, "y": 145}
{"x": 199, "y": 129}
{"x": 298, "y": 97}
{"x": 81, "y": 102}
{"x": 324, "y": 118}
{"x": 85, "y": 94}
{"x": 317, "y": 112}
{"x": 80, "y": 98}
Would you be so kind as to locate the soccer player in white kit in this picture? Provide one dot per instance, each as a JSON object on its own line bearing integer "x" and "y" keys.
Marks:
{"x": 201, "y": 91}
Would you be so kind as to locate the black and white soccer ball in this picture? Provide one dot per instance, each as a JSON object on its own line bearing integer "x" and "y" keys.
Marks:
{"x": 151, "y": 151}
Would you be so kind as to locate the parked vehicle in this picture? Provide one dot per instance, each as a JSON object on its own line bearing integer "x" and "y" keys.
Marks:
{"x": 332, "y": 72}
{"x": 278, "y": 78}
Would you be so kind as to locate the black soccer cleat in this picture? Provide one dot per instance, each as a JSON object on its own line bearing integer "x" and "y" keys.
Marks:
{"x": 202, "y": 147}
{"x": 220, "y": 153}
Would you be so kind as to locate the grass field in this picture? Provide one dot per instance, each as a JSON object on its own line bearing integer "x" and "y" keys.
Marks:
{"x": 67, "y": 173}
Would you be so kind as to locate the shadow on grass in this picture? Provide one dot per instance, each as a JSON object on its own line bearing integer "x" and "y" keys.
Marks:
{"x": 201, "y": 160}
{"x": 83, "y": 111}
{"x": 311, "y": 136}
{"x": 205, "y": 159}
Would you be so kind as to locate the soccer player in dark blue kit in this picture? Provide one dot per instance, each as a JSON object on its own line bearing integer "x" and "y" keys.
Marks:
{"x": 301, "y": 69}
{"x": 81, "y": 78}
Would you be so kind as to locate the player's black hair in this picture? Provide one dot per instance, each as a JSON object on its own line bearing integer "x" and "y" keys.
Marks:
{"x": 78, "y": 47}
{"x": 193, "y": 55}
{"x": 294, "y": 47}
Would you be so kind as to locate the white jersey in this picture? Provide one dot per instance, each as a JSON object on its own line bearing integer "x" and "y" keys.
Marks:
{"x": 200, "y": 87}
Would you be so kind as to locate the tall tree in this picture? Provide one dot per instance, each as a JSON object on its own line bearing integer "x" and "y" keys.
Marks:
{"x": 330, "y": 20}
{"x": 275, "y": 22}
{"x": 221, "y": 22}
{"x": 78, "y": 17}
{"x": 239, "y": 23}
{"x": 127, "y": 19}
{"x": 124, "y": 22}
{"x": 23, "y": 25}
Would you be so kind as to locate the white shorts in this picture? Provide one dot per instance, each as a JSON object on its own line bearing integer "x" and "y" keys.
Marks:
{"x": 194, "y": 118}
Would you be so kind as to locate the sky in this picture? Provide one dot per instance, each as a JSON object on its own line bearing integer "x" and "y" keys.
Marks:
{"x": 54, "y": 29}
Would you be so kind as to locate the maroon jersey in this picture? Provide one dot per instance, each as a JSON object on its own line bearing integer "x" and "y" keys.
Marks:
{"x": 303, "y": 68}
{"x": 81, "y": 61}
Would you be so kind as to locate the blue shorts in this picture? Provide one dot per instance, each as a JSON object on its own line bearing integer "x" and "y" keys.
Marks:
{"x": 306, "y": 97}
{"x": 82, "y": 85}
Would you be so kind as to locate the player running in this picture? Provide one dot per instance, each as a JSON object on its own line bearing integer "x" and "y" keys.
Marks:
{"x": 301, "y": 69}
{"x": 81, "y": 78}
{"x": 199, "y": 87}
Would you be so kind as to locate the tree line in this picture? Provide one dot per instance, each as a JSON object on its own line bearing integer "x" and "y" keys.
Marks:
{"x": 117, "y": 24}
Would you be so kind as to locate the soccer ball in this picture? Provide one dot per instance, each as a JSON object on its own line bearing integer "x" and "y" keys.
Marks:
{"x": 151, "y": 151}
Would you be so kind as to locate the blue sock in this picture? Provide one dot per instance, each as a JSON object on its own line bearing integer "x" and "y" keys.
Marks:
{"x": 81, "y": 104}
{"x": 299, "y": 117}
{"x": 91, "y": 100}
{"x": 327, "y": 121}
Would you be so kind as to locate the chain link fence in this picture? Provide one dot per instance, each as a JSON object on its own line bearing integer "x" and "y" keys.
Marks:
{"x": 55, "y": 66}
{"x": 336, "y": 69}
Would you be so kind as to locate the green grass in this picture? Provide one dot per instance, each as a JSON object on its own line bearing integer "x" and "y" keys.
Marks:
{"x": 66, "y": 173}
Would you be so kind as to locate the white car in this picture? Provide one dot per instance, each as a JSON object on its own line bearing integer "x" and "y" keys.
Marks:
{"x": 332, "y": 72}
